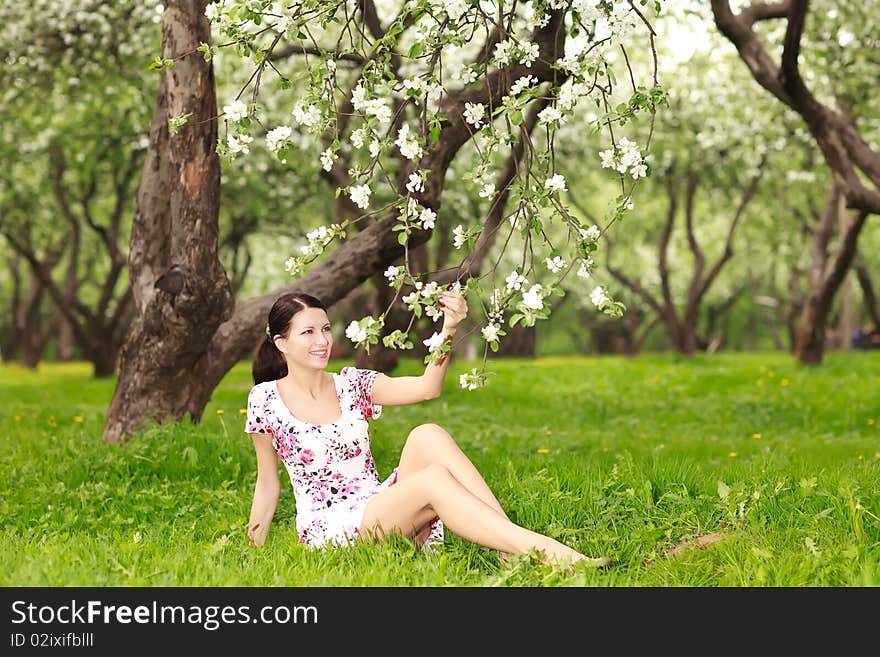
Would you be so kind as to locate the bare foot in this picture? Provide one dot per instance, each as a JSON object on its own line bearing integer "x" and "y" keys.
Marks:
{"x": 596, "y": 562}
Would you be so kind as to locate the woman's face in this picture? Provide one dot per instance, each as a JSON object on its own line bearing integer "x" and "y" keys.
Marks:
{"x": 308, "y": 339}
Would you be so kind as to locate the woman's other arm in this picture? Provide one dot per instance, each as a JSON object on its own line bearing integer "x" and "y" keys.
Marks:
{"x": 266, "y": 491}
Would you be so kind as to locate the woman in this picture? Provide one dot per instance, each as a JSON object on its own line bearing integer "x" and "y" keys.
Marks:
{"x": 316, "y": 423}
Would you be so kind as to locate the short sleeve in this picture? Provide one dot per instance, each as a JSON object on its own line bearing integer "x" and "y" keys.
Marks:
{"x": 256, "y": 406}
{"x": 361, "y": 382}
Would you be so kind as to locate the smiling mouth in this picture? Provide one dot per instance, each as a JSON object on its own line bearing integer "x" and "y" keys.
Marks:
{"x": 318, "y": 354}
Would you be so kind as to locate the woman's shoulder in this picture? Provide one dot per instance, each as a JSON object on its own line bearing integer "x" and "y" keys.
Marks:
{"x": 260, "y": 390}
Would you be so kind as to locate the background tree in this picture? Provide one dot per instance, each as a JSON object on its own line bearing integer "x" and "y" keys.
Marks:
{"x": 73, "y": 97}
{"x": 836, "y": 46}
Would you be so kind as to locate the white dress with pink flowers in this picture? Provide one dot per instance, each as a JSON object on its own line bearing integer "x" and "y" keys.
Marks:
{"x": 330, "y": 465}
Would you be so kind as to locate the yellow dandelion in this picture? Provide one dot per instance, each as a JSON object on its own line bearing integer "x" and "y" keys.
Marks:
{"x": 43, "y": 434}
{"x": 861, "y": 457}
{"x": 242, "y": 411}
{"x": 784, "y": 382}
{"x": 732, "y": 455}
{"x": 756, "y": 436}
{"x": 877, "y": 456}
{"x": 771, "y": 374}
{"x": 871, "y": 422}
{"x": 18, "y": 418}
{"x": 78, "y": 418}
{"x": 548, "y": 432}
{"x": 760, "y": 383}
{"x": 605, "y": 449}
{"x": 219, "y": 411}
{"x": 543, "y": 450}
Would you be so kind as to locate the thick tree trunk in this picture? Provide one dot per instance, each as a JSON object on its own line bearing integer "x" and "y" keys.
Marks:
{"x": 181, "y": 292}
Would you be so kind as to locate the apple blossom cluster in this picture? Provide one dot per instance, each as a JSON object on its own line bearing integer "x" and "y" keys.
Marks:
{"x": 623, "y": 157}
{"x": 375, "y": 106}
{"x": 318, "y": 239}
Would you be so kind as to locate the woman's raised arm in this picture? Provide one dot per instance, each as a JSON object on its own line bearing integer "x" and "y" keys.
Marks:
{"x": 267, "y": 490}
{"x": 400, "y": 390}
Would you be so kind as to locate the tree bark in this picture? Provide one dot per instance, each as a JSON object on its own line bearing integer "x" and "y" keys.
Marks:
{"x": 868, "y": 294}
{"x": 180, "y": 291}
{"x": 826, "y": 276}
{"x": 11, "y": 336}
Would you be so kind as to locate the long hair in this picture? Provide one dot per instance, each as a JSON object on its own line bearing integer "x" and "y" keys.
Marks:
{"x": 269, "y": 363}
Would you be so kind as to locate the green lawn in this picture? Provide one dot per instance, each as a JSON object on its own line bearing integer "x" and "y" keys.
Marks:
{"x": 621, "y": 457}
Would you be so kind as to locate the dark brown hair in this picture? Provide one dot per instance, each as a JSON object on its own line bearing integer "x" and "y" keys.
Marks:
{"x": 269, "y": 363}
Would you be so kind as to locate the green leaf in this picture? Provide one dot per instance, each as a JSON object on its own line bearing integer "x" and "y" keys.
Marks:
{"x": 723, "y": 490}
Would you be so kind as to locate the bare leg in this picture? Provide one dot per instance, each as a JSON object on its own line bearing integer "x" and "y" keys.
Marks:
{"x": 431, "y": 444}
{"x": 434, "y": 491}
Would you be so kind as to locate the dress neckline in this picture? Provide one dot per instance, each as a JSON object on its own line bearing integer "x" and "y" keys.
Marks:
{"x": 314, "y": 424}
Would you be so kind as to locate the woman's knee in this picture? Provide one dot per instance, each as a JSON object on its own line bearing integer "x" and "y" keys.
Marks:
{"x": 427, "y": 432}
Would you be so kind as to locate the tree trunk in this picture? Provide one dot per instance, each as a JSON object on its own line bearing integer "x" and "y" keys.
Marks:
{"x": 32, "y": 341}
{"x": 181, "y": 292}
{"x": 868, "y": 295}
{"x": 826, "y": 278}
{"x": 11, "y": 333}
{"x": 519, "y": 342}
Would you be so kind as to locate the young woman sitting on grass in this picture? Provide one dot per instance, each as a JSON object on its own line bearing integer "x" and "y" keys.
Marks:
{"x": 316, "y": 423}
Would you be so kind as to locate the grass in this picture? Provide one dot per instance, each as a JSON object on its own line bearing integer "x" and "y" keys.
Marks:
{"x": 621, "y": 457}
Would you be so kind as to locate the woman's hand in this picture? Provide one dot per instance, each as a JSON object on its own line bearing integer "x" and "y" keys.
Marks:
{"x": 454, "y": 310}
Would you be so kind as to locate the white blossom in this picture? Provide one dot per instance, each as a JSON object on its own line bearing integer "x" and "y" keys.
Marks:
{"x": 515, "y": 281}
{"x": 556, "y": 264}
{"x": 236, "y": 111}
{"x": 309, "y": 116}
{"x": 490, "y": 332}
{"x": 357, "y": 137}
{"x": 530, "y": 52}
{"x": 427, "y": 217}
{"x": 238, "y": 144}
{"x": 533, "y": 299}
{"x": 521, "y": 84}
{"x": 555, "y": 183}
{"x": 355, "y": 333}
{"x": 599, "y": 297}
{"x": 327, "y": 157}
{"x": 458, "y": 236}
{"x": 434, "y": 342}
{"x": 415, "y": 183}
{"x": 591, "y": 234}
{"x": 276, "y": 137}
{"x": 360, "y": 196}
{"x": 473, "y": 113}
{"x": 409, "y": 146}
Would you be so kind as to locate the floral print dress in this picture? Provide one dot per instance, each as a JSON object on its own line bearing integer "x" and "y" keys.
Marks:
{"x": 330, "y": 465}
